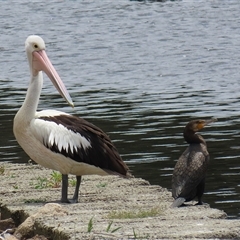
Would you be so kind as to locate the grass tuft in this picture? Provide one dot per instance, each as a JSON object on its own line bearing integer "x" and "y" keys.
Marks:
{"x": 141, "y": 213}
{"x": 101, "y": 185}
{"x": 2, "y": 170}
{"x": 109, "y": 228}
{"x": 54, "y": 181}
{"x": 90, "y": 225}
{"x": 138, "y": 236}
{"x": 72, "y": 182}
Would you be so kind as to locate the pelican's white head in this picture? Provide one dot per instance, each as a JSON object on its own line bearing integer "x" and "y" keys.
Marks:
{"x": 39, "y": 61}
{"x": 34, "y": 43}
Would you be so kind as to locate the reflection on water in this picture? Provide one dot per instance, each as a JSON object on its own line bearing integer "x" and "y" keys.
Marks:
{"x": 140, "y": 71}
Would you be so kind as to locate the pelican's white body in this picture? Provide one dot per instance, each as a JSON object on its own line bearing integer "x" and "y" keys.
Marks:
{"x": 32, "y": 134}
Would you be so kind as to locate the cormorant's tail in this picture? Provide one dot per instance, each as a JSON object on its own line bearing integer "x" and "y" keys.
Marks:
{"x": 178, "y": 202}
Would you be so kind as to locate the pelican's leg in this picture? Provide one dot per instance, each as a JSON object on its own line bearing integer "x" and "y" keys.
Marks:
{"x": 64, "y": 198}
{"x": 75, "y": 196}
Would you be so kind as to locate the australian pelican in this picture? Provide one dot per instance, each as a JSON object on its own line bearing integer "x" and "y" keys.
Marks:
{"x": 57, "y": 140}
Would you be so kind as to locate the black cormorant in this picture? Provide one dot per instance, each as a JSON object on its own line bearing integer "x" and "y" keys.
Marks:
{"x": 188, "y": 180}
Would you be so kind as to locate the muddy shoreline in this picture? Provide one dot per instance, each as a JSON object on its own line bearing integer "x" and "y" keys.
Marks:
{"x": 108, "y": 208}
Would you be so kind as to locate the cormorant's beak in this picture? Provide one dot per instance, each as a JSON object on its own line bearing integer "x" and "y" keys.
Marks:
{"x": 210, "y": 121}
{"x": 206, "y": 122}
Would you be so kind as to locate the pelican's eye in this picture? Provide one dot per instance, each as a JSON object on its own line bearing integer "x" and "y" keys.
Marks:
{"x": 35, "y": 46}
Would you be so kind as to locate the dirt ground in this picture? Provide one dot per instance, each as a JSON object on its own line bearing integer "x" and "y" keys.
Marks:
{"x": 108, "y": 208}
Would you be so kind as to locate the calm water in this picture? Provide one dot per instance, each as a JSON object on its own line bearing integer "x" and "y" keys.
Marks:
{"x": 140, "y": 71}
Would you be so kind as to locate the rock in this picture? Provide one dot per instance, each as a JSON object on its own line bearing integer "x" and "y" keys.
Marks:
{"x": 27, "y": 229}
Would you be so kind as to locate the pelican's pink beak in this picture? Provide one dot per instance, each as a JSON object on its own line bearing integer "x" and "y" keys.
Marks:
{"x": 41, "y": 62}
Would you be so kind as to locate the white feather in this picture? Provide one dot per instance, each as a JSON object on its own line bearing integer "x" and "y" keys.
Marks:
{"x": 49, "y": 113}
{"x": 50, "y": 133}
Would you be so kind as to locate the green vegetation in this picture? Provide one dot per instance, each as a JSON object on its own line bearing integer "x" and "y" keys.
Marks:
{"x": 2, "y": 170}
{"x": 101, "y": 185}
{"x": 135, "y": 214}
{"x": 54, "y": 181}
{"x": 41, "y": 183}
{"x": 90, "y": 225}
{"x": 72, "y": 182}
{"x": 137, "y": 236}
{"x": 108, "y": 229}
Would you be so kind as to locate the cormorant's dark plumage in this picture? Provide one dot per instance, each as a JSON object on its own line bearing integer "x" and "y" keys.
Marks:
{"x": 188, "y": 180}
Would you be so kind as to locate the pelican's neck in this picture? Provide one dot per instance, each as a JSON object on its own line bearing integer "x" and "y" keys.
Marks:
{"x": 30, "y": 103}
